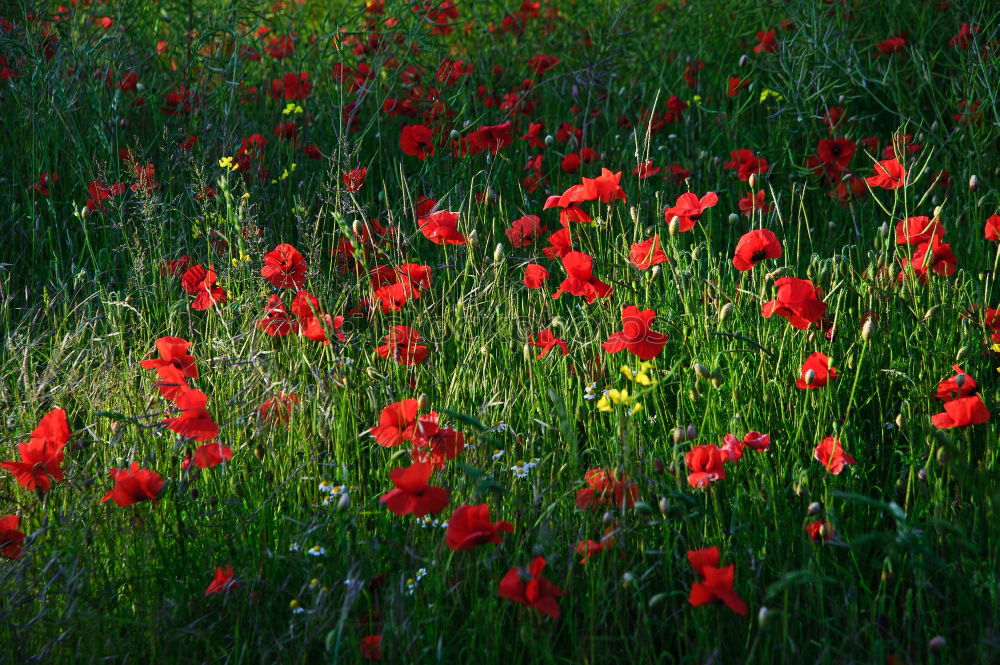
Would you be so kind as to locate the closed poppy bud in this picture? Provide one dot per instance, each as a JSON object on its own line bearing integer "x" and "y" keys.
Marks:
{"x": 358, "y": 226}
{"x": 809, "y": 377}
{"x": 763, "y": 614}
{"x": 674, "y": 226}
{"x": 472, "y": 239}
{"x": 884, "y": 229}
{"x": 962, "y": 352}
{"x": 657, "y": 600}
{"x": 454, "y": 136}
{"x": 867, "y": 329}
{"x": 549, "y": 140}
{"x": 931, "y": 311}
{"x": 937, "y": 643}
{"x": 725, "y": 312}
{"x": 937, "y": 212}
{"x": 752, "y": 181}
{"x": 664, "y": 506}
{"x": 815, "y": 508}
{"x": 345, "y": 502}
{"x": 423, "y": 402}
{"x": 658, "y": 466}
{"x": 943, "y": 456}
{"x": 258, "y": 452}
{"x": 831, "y": 224}
{"x": 733, "y": 218}
{"x": 528, "y": 353}
{"x": 716, "y": 381}
{"x": 557, "y": 322}
{"x": 654, "y": 273}
{"x": 973, "y": 183}
{"x": 628, "y": 578}
{"x": 743, "y": 60}
{"x": 922, "y": 475}
{"x": 498, "y": 253}
{"x": 678, "y": 434}
{"x": 701, "y": 370}
{"x": 900, "y": 420}
{"x": 607, "y": 518}
{"x": 774, "y": 274}
{"x": 692, "y": 432}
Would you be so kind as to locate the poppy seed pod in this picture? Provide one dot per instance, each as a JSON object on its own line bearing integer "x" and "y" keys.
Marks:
{"x": 733, "y": 218}
{"x": 973, "y": 183}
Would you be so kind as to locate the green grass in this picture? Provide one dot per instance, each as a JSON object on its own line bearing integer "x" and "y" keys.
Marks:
{"x": 84, "y": 300}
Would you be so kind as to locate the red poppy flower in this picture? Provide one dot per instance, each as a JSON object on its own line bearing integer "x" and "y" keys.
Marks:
{"x": 535, "y": 276}
{"x": 45, "y": 180}
{"x": 820, "y": 531}
{"x": 732, "y": 448}
{"x": 201, "y": 283}
{"x": 222, "y": 582}
{"x": 962, "y": 412}
{"x": 284, "y": 267}
{"x": 797, "y": 301}
{"x": 889, "y": 174}
{"x": 689, "y": 209}
{"x": 570, "y": 163}
{"x": 440, "y": 228}
{"x": 757, "y": 442}
{"x": 291, "y": 87}
{"x": 530, "y": 588}
{"x": 208, "y": 456}
{"x": 11, "y": 540}
{"x": 586, "y": 549}
{"x": 546, "y": 341}
{"x": 963, "y": 39}
{"x": 604, "y": 188}
{"x": 644, "y": 255}
{"x": 354, "y": 179}
{"x": 745, "y": 163}
{"x": 524, "y": 231}
{"x": 173, "y": 366}
{"x": 412, "y": 495}
{"x": 960, "y": 385}
{"x": 470, "y": 526}
{"x": 134, "y": 485}
{"x": 756, "y": 246}
{"x": 706, "y": 465}
{"x": 819, "y": 365}
{"x": 276, "y": 322}
{"x": 434, "y": 444}
{"x": 176, "y": 267}
{"x": 891, "y": 46}
{"x": 401, "y": 344}
{"x": 194, "y": 422}
{"x": 751, "y": 203}
{"x": 370, "y": 647}
{"x": 580, "y": 279}
{"x": 42, "y": 455}
{"x": 736, "y": 84}
{"x": 606, "y": 488}
{"x": 918, "y": 230}
{"x": 559, "y": 245}
{"x": 396, "y": 423}
{"x": 836, "y": 154}
{"x": 933, "y": 255}
{"x": 766, "y": 42}
{"x": 716, "y": 583}
{"x": 992, "y": 230}
{"x": 646, "y": 169}
{"x": 636, "y": 335}
{"x": 417, "y": 141}
{"x": 830, "y": 453}
{"x": 313, "y": 322}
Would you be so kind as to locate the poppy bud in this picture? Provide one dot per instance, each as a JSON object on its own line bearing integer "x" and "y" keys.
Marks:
{"x": 931, "y": 311}
{"x": 664, "y": 506}
{"x": 809, "y": 377}
{"x": 752, "y": 181}
{"x": 357, "y": 227}
{"x": 658, "y": 467}
{"x": 934, "y": 126}
{"x": 774, "y": 274}
{"x": 922, "y": 475}
{"x": 654, "y": 273}
{"x": 345, "y": 502}
{"x": 701, "y": 370}
{"x": 733, "y": 218}
{"x": 678, "y": 434}
{"x": 716, "y": 381}
{"x": 423, "y": 402}
{"x": 674, "y": 226}
{"x": 867, "y": 329}
{"x": 657, "y": 600}
{"x": 526, "y": 350}
{"x": 607, "y": 518}
{"x": 472, "y": 239}
{"x": 743, "y": 60}
{"x": 937, "y": 212}
{"x": 455, "y": 135}
{"x": 498, "y": 253}
{"x": 692, "y": 395}
{"x": 763, "y": 614}
{"x": 725, "y": 312}
{"x": 716, "y": 160}
{"x": 900, "y": 420}
{"x": 633, "y": 213}
{"x": 258, "y": 452}
{"x": 973, "y": 183}
{"x": 557, "y": 322}
{"x": 937, "y": 643}
{"x": 549, "y": 141}
{"x": 372, "y": 373}
{"x": 943, "y": 456}
{"x": 628, "y": 578}
{"x": 692, "y": 432}
{"x": 884, "y": 229}
{"x": 962, "y": 352}
{"x": 815, "y": 508}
